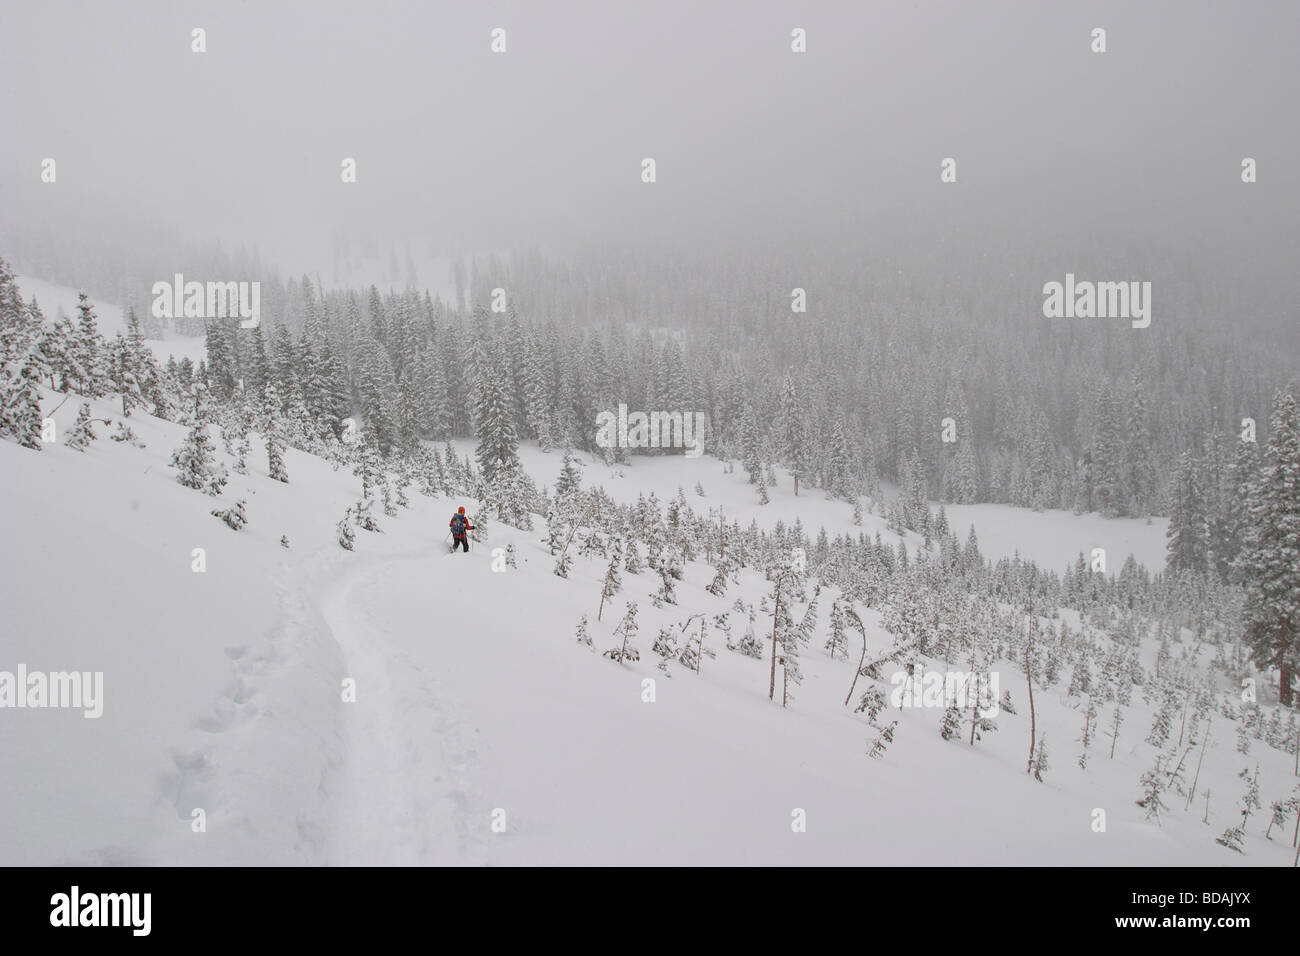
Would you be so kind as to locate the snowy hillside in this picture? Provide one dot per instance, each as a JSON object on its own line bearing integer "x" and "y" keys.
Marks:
{"x": 53, "y": 298}
{"x": 1052, "y": 539}
{"x": 482, "y": 732}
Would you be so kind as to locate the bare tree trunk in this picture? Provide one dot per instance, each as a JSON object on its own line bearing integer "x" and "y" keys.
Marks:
{"x": 1206, "y": 818}
{"x": 776, "y": 614}
{"x": 796, "y": 484}
{"x": 1201, "y": 760}
{"x": 1284, "y": 685}
{"x": 699, "y": 658}
{"x": 1114, "y": 732}
{"x": 1029, "y": 679}
{"x": 785, "y": 682}
{"x": 858, "y": 622}
{"x": 1183, "y": 725}
{"x": 975, "y": 703}
{"x": 1179, "y": 766}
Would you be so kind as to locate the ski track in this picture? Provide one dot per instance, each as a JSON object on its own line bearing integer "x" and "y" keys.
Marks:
{"x": 379, "y": 781}
{"x": 405, "y": 797}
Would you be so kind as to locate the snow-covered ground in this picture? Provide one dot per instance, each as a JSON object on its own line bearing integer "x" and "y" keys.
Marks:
{"x": 51, "y": 297}
{"x": 1053, "y": 539}
{"x": 481, "y": 732}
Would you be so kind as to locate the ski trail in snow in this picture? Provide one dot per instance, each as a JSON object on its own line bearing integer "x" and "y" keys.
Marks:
{"x": 375, "y": 805}
{"x": 404, "y": 798}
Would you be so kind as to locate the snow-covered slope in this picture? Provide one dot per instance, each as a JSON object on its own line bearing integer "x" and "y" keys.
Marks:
{"x": 51, "y": 297}
{"x": 1051, "y": 538}
{"x": 481, "y": 732}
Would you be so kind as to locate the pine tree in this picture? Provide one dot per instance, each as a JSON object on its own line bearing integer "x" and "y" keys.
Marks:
{"x": 1187, "y": 547}
{"x": 886, "y": 737}
{"x": 1250, "y": 799}
{"x": 668, "y": 572}
{"x": 628, "y": 628}
{"x": 1153, "y": 786}
{"x": 1236, "y": 519}
{"x": 346, "y": 536}
{"x": 751, "y": 448}
{"x": 125, "y": 434}
{"x": 363, "y": 518}
{"x": 837, "y": 644}
{"x": 790, "y": 428}
{"x": 1106, "y": 467}
{"x": 195, "y": 462}
{"x": 88, "y": 351}
{"x": 23, "y": 364}
{"x": 665, "y": 645}
{"x": 498, "y": 447}
{"x": 1114, "y": 729}
{"x": 234, "y": 516}
{"x": 26, "y": 359}
{"x": 1041, "y": 765}
{"x": 583, "y": 636}
{"x": 274, "y": 440}
{"x": 1162, "y": 724}
{"x": 632, "y": 563}
{"x": 613, "y": 582}
{"x": 783, "y": 629}
{"x": 1231, "y": 838}
{"x": 1089, "y": 723}
{"x": 83, "y": 431}
{"x": 718, "y": 586}
{"x": 950, "y": 726}
{"x": 1140, "y": 476}
{"x": 1270, "y": 562}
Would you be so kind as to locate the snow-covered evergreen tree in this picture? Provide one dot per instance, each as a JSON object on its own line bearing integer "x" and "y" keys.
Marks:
{"x": 627, "y": 628}
{"x": 880, "y": 743}
{"x": 195, "y": 460}
{"x": 1270, "y": 561}
{"x": 1041, "y": 766}
{"x": 346, "y": 536}
{"x": 613, "y": 581}
{"x": 235, "y": 516}
{"x": 83, "y": 429}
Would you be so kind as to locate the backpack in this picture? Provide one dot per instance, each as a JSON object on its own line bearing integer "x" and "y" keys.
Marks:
{"x": 458, "y": 523}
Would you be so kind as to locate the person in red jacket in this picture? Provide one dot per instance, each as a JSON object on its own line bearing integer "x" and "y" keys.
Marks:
{"x": 459, "y": 525}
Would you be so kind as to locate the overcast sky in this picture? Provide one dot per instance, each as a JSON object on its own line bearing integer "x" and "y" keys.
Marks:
{"x": 542, "y": 144}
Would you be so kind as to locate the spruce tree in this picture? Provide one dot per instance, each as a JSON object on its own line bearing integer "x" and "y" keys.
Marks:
{"x": 83, "y": 431}
{"x": 1270, "y": 561}
{"x": 195, "y": 460}
{"x": 23, "y": 364}
{"x": 1187, "y": 547}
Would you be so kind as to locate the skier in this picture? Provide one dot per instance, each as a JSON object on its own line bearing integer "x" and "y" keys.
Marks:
{"x": 459, "y": 525}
